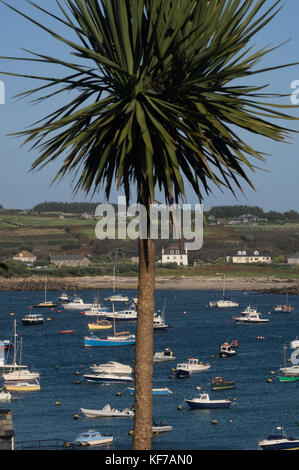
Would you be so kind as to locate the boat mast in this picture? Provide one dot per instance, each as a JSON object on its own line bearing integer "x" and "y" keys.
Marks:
{"x": 46, "y": 289}
{"x": 15, "y": 343}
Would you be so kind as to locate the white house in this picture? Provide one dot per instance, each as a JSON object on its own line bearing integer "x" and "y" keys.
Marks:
{"x": 244, "y": 257}
{"x": 293, "y": 259}
{"x": 174, "y": 254}
{"x": 25, "y": 256}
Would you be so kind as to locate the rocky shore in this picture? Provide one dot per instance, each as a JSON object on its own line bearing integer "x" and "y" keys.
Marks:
{"x": 266, "y": 285}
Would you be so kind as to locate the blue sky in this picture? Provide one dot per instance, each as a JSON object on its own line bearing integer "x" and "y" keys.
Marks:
{"x": 276, "y": 184}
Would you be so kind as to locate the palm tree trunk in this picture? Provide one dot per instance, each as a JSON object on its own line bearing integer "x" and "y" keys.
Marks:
{"x": 144, "y": 347}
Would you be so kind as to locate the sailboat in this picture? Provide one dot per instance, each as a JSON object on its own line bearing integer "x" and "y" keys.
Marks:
{"x": 20, "y": 374}
{"x": 123, "y": 338}
{"x": 284, "y": 308}
{"x": 45, "y": 304}
{"x": 159, "y": 321}
{"x": 116, "y": 297}
{"x": 4, "y": 366}
{"x": 224, "y": 302}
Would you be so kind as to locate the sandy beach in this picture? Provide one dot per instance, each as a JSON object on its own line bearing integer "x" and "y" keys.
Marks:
{"x": 268, "y": 285}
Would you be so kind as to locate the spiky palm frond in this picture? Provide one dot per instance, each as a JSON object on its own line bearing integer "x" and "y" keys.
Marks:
{"x": 163, "y": 77}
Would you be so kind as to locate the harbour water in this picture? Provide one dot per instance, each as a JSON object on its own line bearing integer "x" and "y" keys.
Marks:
{"x": 196, "y": 331}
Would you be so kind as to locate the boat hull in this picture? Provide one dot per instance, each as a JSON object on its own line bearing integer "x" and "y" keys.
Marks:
{"x": 106, "y": 379}
{"x": 91, "y": 343}
{"x": 211, "y": 405}
{"x": 283, "y": 445}
{"x": 32, "y": 322}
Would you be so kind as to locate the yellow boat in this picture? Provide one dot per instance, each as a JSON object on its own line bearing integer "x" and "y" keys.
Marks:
{"x": 22, "y": 386}
{"x": 100, "y": 325}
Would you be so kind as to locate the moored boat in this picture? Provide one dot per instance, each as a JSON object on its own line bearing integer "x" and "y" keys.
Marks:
{"x": 195, "y": 365}
{"x": 124, "y": 338}
{"x": 106, "y": 377}
{"x": 166, "y": 355}
{"x": 108, "y": 412}
{"x": 93, "y": 438}
{"x": 161, "y": 427}
{"x": 251, "y": 318}
{"x": 218, "y": 383}
{"x": 123, "y": 315}
{"x": 100, "y": 325}
{"x": 279, "y": 441}
{"x": 182, "y": 371}
{"x": 112, "y": 367}
{"x": 33, "y": 319}
{"x": 4, "y": 395}
{"x": 226, "y": 350}
{"x": 203, "y": 401}
{"x": 22, "y": 386}
{"x": 155, "y": 391}
{"x": 77, "y": 304}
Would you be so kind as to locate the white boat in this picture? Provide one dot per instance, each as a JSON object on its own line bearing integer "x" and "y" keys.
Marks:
{"x": 97, "y": 310}
{"x": 194, "y": 365}
{"x": 166, "y": 355}
{"x": 203, "y": 401}
{"x": 294, "y": 344}
{"x": 4, "y": 395}
{"x": 226, "y": 350}
{"x": 107, "y": 412}
{"x": 108, "y": 377}
{"x": 64, "y": 298}
{"x": 278, "y": 440}
{"x": 122, "y": 315}
{"x": 224, "y": 302}
{"x": 93, "y": 438}
{"x": 252, "y": 318}
{"x": 112, "y": 367}
{"x": 77, "y": 304}
{"x": 20, "y": 374}
{"x": 162, "y": 427}
{"x": 4, "y": 365}
{"x": 117, "y": 298}
{"x": 33, "y": 319}
{"x": 159, "y": 321}
{"x": 248, "y": 310}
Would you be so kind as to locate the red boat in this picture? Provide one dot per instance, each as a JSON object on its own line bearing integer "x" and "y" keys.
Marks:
{"x": 66, "y": 332}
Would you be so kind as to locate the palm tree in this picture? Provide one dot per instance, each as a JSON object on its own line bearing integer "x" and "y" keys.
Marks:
{"x": 161, "y": 94}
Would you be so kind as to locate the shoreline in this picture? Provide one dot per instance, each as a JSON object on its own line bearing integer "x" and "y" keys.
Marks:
{"x": 263, "y": 284}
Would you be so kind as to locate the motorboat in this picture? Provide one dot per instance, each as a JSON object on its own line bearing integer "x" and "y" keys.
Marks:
{"x": 162, "y": 427}
{"x": 195, "y": 365}
{"x": 279, "y": 441}
{"x": 123, "y": 315}
{"x": 155, "y": 391}
{"x": 159, "y": 323}
{"x": 117, "y": 298}
{"x": 106, "y": 377}
{"x": 248, "y": 310}
{"x": 108, "y": 412}
{"x": 100, "y": 325}
{"x": 166, "y": 355}
{"x": 33, "y": 319}
{"x": 64, "y": 298}
{"x": 77, "y": 304}
{"x": 97, "y": 310}
{"x": 113, "y": 367}
{"x": 225, "y": 303}
{"x": 4, "y": 395}
{"x": 124, "y": 338}
{"x": 93, "y": 438}
{"x": 203, "y": 401}
{"x": 251, "y": 318}
{"x": 226, "y": 350}
{"x": 218, "y": 383}
{"x": 182, "y": 371}
{"x": 22, "y": 386}
{"x": 20, "y": 375}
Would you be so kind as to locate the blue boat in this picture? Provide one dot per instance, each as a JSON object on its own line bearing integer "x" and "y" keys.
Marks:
{"x": 124, "y": 338}
{"x": 155, "y": 391}
{"x": 204, "y": 402}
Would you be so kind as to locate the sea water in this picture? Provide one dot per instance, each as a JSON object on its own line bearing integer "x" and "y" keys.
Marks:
{"x": 259, "y": 405}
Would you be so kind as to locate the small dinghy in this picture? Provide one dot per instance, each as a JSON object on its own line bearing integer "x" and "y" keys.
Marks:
{"x": 162, "y": 427}
{"x": 93, "y": 438}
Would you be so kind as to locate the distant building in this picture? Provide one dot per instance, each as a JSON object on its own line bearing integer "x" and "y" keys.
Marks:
{"x": 294, "y": 259}
{"x": 244, "y": 257}
{"x": 69, "y": 260}
{"x": 25, "y": 256}
{"x": 174, "y": 254}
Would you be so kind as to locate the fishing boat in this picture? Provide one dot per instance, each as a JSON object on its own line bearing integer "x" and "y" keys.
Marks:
{"x": 224, "y": 302}
{"x": 155, "y": 391}
{"x": 33, "y": 319}
{"x": 106, "y": 377}
{"x": 195, "y": 365}
{"x": 108, "y": 412}
{"x": 22, "y": 386}
{"x": 122, "y": 315}
{"x": 93, "y": 438}
{"x": 46, "y": 303}
{"x": 4, "y": 395}
{"x": 100, "y": 325}
{"x": 218, "y": 383}
{"x": 166, "y": 355}
{"x": 279, "y": 441}
{"x": 77, "y": 304}
{"x": 203, "y": 401}
{"x": 161, "y": 427}
{"x": 113, "y": 367}
{"x": 182, "y": 371}
{"x": 251, "y": 318}
{"x": 226, "y": 350}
